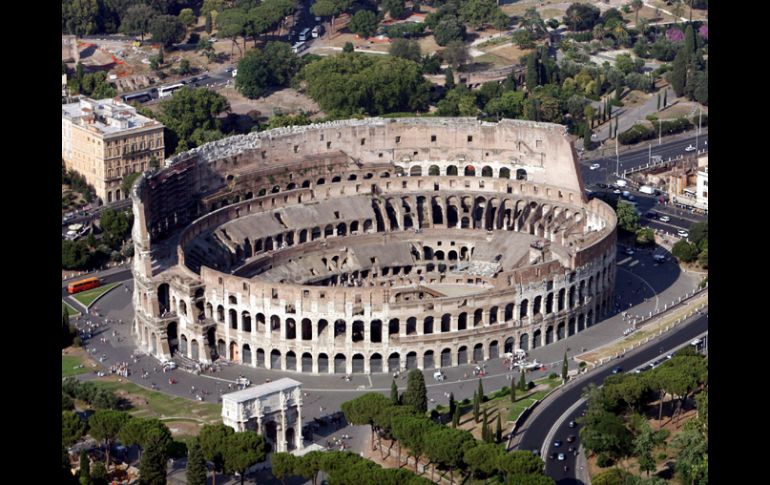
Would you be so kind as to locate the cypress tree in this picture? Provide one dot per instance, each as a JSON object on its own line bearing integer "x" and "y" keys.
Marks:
{"x": 456, "y": 419}
{"x": 481, "y": 391}
{"x": 499, "y": 430}
{"x": 449, "y": 77}
{"x": 690, "y": 45}
{"x": 617, "y": 122}
{"x": 658, "y": 109}
{"x": 476, "y": 406}
{"x": 209, "y": 23}
{"x": 522, "y": 381}
{"x": 394, "y": 393}
{"x": 85, "y": 469}
{"x": 152, "y": 467}
{"x": 416, "y": 393}
{"x": 513, "y": 389}
{"x": 587, "y": 138}
{"x": 564, "y": 368}
{"x": 532, "y": 72}
{"x": 196, "y": 465}
{"x": 485, "y": 428}
{"x": 665, "y": 98}
{"x": 452, "y": 404}
{"x": 678, "y": 74}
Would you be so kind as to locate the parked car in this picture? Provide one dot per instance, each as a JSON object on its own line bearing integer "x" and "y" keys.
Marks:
{"x": 651, "y": 215}
{"x": 571, "y": 438}
{"x": 664, "y": 218}
{"x": 690, "y": 148}
{"x": 595, "y": 166}
{"x": 617, "y": 370}
{"x": 629, "y": 251}
{"x": 561, "y": 456}
{"x": 682, "y": 233}
{"x": 572, "y": 424}
{"x": 557, "y": 443}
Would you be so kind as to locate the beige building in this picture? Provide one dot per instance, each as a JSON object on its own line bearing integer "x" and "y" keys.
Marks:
{"x": 105, "y": 140}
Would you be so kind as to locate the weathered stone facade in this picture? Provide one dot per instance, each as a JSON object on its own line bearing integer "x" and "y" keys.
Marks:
{"x": 370, "y": 246}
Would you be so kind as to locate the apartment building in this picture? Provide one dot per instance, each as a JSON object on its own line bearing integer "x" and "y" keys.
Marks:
{"x": 105, "y": 140}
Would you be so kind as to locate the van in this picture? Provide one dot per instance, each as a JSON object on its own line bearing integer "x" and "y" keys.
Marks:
{"x": 646, "y": 189}
{"x": 621, "y": 183}
{"x": 299, "y": 47}
{"x": 304, "y": 35}
{"x": 317, "y": 31}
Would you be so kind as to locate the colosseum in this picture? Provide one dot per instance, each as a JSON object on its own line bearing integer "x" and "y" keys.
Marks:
{"x": 370, "y": 245}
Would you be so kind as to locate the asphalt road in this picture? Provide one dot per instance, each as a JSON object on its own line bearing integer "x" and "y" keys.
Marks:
{"x": 121, "y": 275}
{"x": 630, "y": 160}
{"x": 538, "y": 428}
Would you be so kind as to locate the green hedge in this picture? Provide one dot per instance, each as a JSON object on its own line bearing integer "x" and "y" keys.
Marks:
{"x": 639, "y": 132}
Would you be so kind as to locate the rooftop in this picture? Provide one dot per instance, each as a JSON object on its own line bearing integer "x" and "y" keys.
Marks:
{"x": 261, "y": 390}
{"x": 105, "y": 116}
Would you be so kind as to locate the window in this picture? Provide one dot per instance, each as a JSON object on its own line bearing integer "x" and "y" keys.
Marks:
{"x": 539, "y": 143}
{"x": 433, "y": 138}
{"x": 328, "y": 145}
{"x": 296, "y": 148}
{"x": 398, "y": 139}
{"x": 363, "y": 141}
{"x": 470, "y": 138}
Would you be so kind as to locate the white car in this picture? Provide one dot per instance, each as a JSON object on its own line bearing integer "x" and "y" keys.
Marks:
{"x": 690, "y": 149}
{"x": 594, "y": 166}
{"x": 664, "y": 218}
{"x": 630, "y": 252}
{"x": 616, "y": 191}
{"x": 683, "y": 233}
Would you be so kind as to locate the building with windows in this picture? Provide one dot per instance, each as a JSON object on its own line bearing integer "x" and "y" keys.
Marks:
{"x": 273, "y": 410}
{"x": 105, "y": 140}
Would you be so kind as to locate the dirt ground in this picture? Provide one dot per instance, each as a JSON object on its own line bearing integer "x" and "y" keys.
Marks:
{"x": 183, "y": 428}
{"x": 510, "y": 52}
{"x": 683, "y": 109}
{"x": 287, "y": 100}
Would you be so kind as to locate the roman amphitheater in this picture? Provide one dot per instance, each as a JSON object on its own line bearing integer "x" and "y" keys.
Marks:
{"x": 370, "y": 245}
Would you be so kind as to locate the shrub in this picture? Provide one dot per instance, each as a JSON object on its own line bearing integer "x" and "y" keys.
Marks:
{"x": 582, "y": 364}
{"x": 604, "y": 460}
{"x": 635, "y": 134}
{"x": 553, "y": 375}
{"x": 530, "y": 385}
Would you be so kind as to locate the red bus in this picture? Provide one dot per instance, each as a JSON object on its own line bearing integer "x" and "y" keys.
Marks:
{"x": 83, "y": 285}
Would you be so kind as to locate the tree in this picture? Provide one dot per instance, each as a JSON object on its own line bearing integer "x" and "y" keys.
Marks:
{"x": 99, "y": 474}
{"x": 564, "y": 368}
{"x": 406, "y": 49}
{"x": 137, "y": 20}
{"x": 581, "y": 16}
{"x": 212, "y": 440}
{"x": 449, "y": 79}
{"x": 533, "y": 23}
{"x": 330, "y": 8}
{"x": 72, "y": 428}
{"x": 685, "y": 251}
{"x": 196, "y": 464}
{"x": 167, "y": 30}
{"x": 275, "y": 65}
{"x": 452, "y": 404}
{"x": 85, "y": 469}
{"x": 393, "y": 393}
{"x": 476, "y": 406}
{"x": 348, "y": 47}
{"x": 231, "y": 24}
{"x": 455, "y": 54}
{"x": 395, "y": 8}
{"x": 449, "y": 29}
{"x": 483, "y": 458}
{"x": 190, "y": 115}
{"x": 522, "y": 381}
{"x": 187, "y": 17}
{"x": 242, "y": 450}
{"x": 692, "y": 451}
{"x": 105, "y": 424}
{"x": 66, "y": 333}
{"x": 283, "y": 465}
{"x": 416, "y": 392}
{"x": 209, "y": 25}
{"x": 152, "y": 466}
{"x": 628, "y": 219}
{"x": 644, "y": 444}
{"x": 519, "y": 462}
{"x": 677, "y": 76}
{"x": 456, "y": 418}
{"x": 364, "y": 409}
{"x": 513, "y": 389}
{"x": 499, "y": 429}
{"x": 363, "y": 23}
{"x": 128, "y": 182}
{"x": 532, "y": 77}
{"x": 604, "y": 432}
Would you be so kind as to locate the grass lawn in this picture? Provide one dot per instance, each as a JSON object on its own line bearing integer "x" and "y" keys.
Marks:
{"x": 68, "y": 364}
{"x": 72, "y": 311}
{"x": 152, "y": 404}
{"x": 88, "y": 297}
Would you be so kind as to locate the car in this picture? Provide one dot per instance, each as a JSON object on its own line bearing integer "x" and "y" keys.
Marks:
{"x": 230, "y": 69}
{"x": 571, "y": 449}
{"x": 631, "y": 197}
{"x": 617, "y": 370}
{"x": 630, "y": 252}
{"x": 690, "y": 148}
{"x": 571, "y": 438}
{"x": 659, "y": 258}
{"x": 682, "y": 233}
{"x": 664, "y": 218}
{"x": 557, "y": 443}
{"x": 552, "y": 456}
{"x": 561, "y": 456}
{"x": 594, "y": 166}
{"x": 601, "y": 185}
{"x": 617, "y": 191}
{"x": 572, "y": 424}
{"x": 536, "y": 452}
{"x": 669, "y": 356}
{"x": 651, "y": 215}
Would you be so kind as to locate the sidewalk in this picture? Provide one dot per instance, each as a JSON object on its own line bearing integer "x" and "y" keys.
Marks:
{"x": 629, "y": 116}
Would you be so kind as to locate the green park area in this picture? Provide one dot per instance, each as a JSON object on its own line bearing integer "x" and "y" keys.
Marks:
{"x": 88, "y": 297}
{"x": 72, "y": 365}
{"x": 146, "y": 403}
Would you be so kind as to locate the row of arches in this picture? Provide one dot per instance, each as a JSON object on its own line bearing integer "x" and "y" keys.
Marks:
{"x": 467, "y": 171}
{"x": 340, "y": 362}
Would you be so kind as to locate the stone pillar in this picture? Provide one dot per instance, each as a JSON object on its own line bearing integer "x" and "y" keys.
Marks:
{"x": 453, "y": 323}
{"x": 281, "y": 436}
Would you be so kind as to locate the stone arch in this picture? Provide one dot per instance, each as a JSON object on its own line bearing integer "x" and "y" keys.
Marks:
{"x": 246, "y": 354}
{"x": 478, "y": 317}
{"x": 357, "y": 331}
{"x": 508, "y": 345}
{"x": 478, "y": 352}
{"x": 446, "y": 321}
{"x": 260, "y": 358}
{"x": 505, "y": 173}
{"x": 163, "y": 298}
{"x": 323, "y": 363}
{"x": 375, "y": 363}
{"x": 446, "y": 357}
{"x": 427, "y": 326}
{"x": 291, "y": 329}
{"x": 183, "y": 345}
{"x": 234, "y": 351}
{"x": 275, "y": 359}
{"x": 358, "y": 364}
{"x": 494, "y": 349}
{"x": 375, "y": 331}
{"x": 521, "y": 174}
{"x": 560, "y": 330}
{"x": 306, "y": 362}
{"x": 462, "y": 321}
{"x": 307, "y": 329}
{"x": 451, "y": 170}
{"x": 291, "y": 360}
{"x": 486, "y": 171}
{"x": 172, "y": 337}
{"x": 427, "y": 360}
{"x": 536, "y": 337}
{"x": 394, "y": 362}
{"x": 462, "y": 355}
{"x": 524, "y": 342}
{"x": 469, "y": 171}
{"x": 340, "y": 364}
{"x": 221, "y": 348}
{"x": 233, "y": 319}
{"x": 434, "y": 170}
{"x": 549, "y": 335}
{"x": 508, "y": 313}
{"x": 523, "y": 308}
{"x": 411, "y": 360}
{"x": 415, "y": 171}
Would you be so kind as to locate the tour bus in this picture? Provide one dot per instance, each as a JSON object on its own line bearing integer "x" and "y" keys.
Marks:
{"x": 138, "y": 97}
{"x": 299, "y": 47}
{"x": 304, "y": 35}
{"x": 167, "y": 91}
{"x": 83, "y": 285}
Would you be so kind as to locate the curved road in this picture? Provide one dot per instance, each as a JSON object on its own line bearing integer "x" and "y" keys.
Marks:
{"x": 538, "y": 429}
